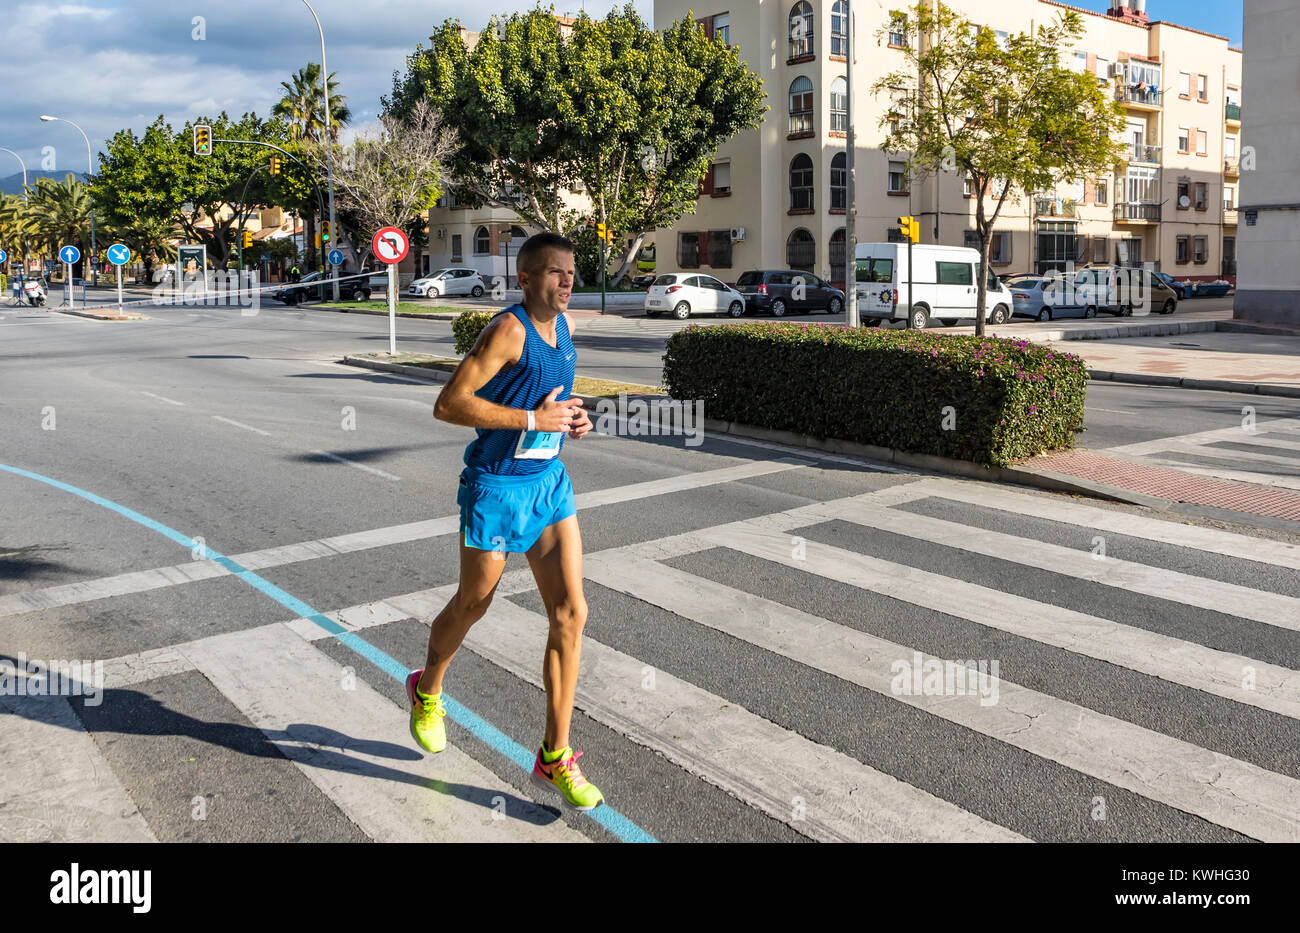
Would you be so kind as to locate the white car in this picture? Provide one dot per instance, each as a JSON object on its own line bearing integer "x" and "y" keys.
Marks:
{"x": 449, "y": 282}
{"x": 687, "y": 293}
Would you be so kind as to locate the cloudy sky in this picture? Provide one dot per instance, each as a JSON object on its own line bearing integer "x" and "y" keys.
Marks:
{"x": 109, "y": 65}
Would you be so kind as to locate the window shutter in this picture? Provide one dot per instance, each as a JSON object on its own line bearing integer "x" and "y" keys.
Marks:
{"x": 706, "y": 184}
{"x": 707, "y": 25}
{"x": 704, "y": 248}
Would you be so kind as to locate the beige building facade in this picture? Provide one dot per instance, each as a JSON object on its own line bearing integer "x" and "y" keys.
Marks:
{"x": 775, "y": 197}
{"x": 1269, "y": 288}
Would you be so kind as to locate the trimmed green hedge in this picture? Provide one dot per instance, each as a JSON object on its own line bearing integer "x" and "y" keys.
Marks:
{"x": 466, "y": 328}
{"x": 1010, "y": 399}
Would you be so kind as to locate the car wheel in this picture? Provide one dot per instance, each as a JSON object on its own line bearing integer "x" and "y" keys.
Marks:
{"x": 1126, "y": 311}
{"x": 358, "y": 294}
{"x": 1181, "y": 293}
{"x": 1169, "y": 307}
{"x": 835, "y": 306}
{"x": 290, "y": 299}
{"x": 682, "y": 311}
{"x": 737, "y": 309}
{"x": 432, "y": 292}
{"x": 871, "y": 322}
{"x": 948, "y": 321}
{"x": 920, "y": 317}
{"x": 999, "y": 315}
{"x": 1090, "y": 311}
{"x": 778, "y": 308}
{"x": 477, "y": 291}
{"x": 1044, "y": 314}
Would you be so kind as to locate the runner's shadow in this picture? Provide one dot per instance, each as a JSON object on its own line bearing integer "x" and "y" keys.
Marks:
{"x": 130, "y": 712}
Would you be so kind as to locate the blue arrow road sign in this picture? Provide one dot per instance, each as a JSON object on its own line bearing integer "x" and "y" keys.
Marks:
{"x": 69, "y": 254}
{"x": 119, "y": 254}
{"x": 335, "y": 257}
{"x": 3, "y": 255}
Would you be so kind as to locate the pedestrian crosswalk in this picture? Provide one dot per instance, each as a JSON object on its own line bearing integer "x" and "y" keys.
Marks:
{"x": 1266, "y": 453}
{"x": 1188, "y": 724}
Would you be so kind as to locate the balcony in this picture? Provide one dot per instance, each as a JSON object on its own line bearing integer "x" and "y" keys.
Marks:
{"x": 1136, "y": 212}
{"x": 1232, "y": 167}
{"x": 1145, "y": 154}
{"x": 1055, "y": 207}
{"x": 1229, "y": 215}
{"x": 1232, "y": 113}
{"x": 1139, "y": 98}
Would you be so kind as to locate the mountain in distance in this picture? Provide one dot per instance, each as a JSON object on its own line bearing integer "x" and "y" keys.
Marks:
{"x": 13, "y": 184}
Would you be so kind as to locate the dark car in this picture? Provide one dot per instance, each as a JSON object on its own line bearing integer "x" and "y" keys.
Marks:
{"x": 643, "y": 281}
{"x": 1178, "y": 287}
{"x": 313, "y": 286}
{"x": 785, "y": 291}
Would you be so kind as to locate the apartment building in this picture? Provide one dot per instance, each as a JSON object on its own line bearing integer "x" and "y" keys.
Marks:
{"x": 1269, "y": 288}
{"x": 776, "y": 196}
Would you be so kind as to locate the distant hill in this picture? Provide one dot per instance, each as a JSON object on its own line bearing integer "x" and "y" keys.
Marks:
{"x": 13, "y": 184}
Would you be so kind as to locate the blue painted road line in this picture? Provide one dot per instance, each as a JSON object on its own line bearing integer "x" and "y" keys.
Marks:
{"x": 480, "y": 728}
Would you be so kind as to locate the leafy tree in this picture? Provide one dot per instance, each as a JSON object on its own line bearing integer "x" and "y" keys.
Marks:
{"x": 1007, "y": 115}
{"x": 634, "y": 115}
{"x": 60, "y": 213}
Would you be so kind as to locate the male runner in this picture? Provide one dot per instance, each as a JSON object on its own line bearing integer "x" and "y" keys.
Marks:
{"x": 515, "y": 497}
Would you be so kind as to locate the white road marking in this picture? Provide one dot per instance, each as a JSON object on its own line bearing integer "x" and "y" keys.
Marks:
{"x": 244, "y": 426}
{"x": 1111, "y": 411}
{"x": 1231, "y": 793}
{"x": 359, "y": 466}
{"x": 1243, "y": 476}
{"x": 1235, "y": 432}
{"x": 766, "y": 766}
{"x": 162, "y": 398}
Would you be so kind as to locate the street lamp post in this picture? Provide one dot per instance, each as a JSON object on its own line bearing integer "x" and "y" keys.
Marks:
{"x": 90, "y": 170}
{"x": 329, "y": 147}
{"x": 850, "y": 213}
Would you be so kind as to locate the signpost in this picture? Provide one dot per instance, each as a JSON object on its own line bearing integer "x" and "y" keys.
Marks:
{"x": 69, "y": 254}
{"x": 119, "y": 254}
{"x": 391, "y": 246}
{"x": 336, "y": 259}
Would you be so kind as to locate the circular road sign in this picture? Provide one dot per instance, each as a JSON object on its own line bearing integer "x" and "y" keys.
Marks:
{"x": 336, "y": 257}
{"x": 119, "y": 254}
{"x": 69, "y": 254}
{"x": 3, "y": 255}
{"x": 390, "y": 245}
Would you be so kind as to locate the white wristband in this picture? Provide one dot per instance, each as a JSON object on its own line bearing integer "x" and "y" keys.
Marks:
{"x": 532, "y": 421}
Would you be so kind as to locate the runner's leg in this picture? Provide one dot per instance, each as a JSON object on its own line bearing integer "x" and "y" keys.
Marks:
{"x": 556, "y": 561}
{"x": 480, "y": 572}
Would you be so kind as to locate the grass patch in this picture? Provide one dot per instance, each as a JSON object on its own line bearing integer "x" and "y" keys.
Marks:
{"x": 406, "y": 307}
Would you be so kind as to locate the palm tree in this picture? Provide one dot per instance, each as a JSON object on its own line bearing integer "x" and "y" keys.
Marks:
{"x": 59, "y": 211}
{"x": 303, "y": 109}
{"x": 152, "y": 238}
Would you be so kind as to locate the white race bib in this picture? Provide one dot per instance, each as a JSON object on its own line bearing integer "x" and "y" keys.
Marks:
{"x": 538, "y": 445}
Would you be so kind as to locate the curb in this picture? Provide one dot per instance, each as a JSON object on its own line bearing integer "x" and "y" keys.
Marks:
{"x": 1121, "y": 332}
{"x": 1183, "y": 382}
{"x": 1053, "y": 482}
{"x": 101, "y": 317}
{"x": 416, "y": 372}
{"x": 420, "y": 317}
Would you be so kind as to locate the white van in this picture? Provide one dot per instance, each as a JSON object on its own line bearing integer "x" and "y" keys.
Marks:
{"x": 943, "y": 282}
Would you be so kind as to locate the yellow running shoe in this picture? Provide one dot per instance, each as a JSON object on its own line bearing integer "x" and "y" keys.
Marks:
{"x": 426, "y": 717}
{"x": 565, "y": 778}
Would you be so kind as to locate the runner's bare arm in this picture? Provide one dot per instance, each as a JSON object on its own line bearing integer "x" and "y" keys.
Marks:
{"x": 499, "y": 345}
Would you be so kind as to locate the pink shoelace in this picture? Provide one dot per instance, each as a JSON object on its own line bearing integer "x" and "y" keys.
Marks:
{"x": 570, "y": 767}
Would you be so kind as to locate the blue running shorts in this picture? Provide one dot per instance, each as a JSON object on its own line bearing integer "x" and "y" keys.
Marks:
{"x": 509, "y": 513}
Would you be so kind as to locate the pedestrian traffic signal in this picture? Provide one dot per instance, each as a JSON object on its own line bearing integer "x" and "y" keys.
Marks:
{"x": 248, "y": 239}
{"x": 275, "y": 165}
{"x": 202, "y": 139}
{"x": 910, "y": 228}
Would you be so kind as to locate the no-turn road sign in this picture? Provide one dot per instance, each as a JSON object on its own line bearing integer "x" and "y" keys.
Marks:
{"x": 390, "y": 245}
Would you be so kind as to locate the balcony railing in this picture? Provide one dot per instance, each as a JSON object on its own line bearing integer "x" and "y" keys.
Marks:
{"x": 1134, "y": 210}
{"x": 1131, "y": 94}
{"x": 1229, "y": 214}
{"x": 1137, "y": 153}
{"x": 1229, "y": 267}
{"x": 1232, "y": 112}
{"x": 1231, "y": 167}
{"x": 1055, "y": 207}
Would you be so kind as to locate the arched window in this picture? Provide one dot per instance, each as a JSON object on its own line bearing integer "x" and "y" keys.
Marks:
{"x": 801, "y": 183}
{"x": 839, "y": 29}
{"x": 801, "y": 250}
{"x": 839, "y": 182}
{"x": 518, "y": 233}
{"x": 801, "y": 29}
{"x": 482, "y": 241}
{"x": 839, "y": 258}
{"x": 801, "y": 105}
{"x": 839, "y": 106}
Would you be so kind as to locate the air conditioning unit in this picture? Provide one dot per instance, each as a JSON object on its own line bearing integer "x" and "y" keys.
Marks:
{"x": 1116, "y": 70}
{"x": 737, "y": 234}
{"x": 442, "y": 234}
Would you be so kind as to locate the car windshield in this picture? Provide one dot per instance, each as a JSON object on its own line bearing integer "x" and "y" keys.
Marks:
{"x": 666, "y": 280}
{"x": 1026, "y": 283}
{"x": 749, "y": 278}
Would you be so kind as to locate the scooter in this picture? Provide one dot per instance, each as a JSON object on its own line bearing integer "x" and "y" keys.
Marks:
{"x": 34, "y": 292}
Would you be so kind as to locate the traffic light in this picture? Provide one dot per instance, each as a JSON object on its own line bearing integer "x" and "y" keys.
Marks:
{"x": 602, "y": 232}
{"x": 275, "y": 165}
{"x": 248, "y": 239}
{"x": 910, "y": 228}
{"x": 325, "y": 231}
{"x": 202, "y": 139}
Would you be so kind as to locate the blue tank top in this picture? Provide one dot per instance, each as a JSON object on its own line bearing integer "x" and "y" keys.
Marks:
{"x": 540, "y": 369}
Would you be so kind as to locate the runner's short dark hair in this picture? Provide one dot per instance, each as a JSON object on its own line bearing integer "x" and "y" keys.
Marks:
{"x": 538, "y": 243}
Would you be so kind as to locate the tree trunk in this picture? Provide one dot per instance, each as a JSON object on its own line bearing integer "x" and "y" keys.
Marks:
{"x": 981, "y": 288}
{"x": 629, "y": 260}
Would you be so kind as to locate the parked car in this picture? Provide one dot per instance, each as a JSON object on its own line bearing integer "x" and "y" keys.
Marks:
{"x": 643, "y": 281}
{"x": 943, "y": 281}
{"x": 316, "y": 286}
{"x": 455, "y": 281}
{"x": 1179, "y": 288}
{"x": 1120, "y": 290}
{"x": 779, "y": 292}
{"x": 687, "y": 293}
{"x": 1044, "y": 298}
{"x": 1208, "y": 289}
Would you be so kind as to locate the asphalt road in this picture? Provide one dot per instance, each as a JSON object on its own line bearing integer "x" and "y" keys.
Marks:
{"x": 738, "y": 667}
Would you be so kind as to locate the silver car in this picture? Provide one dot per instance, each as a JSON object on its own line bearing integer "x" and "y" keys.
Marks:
{"x": 455, "y": 281}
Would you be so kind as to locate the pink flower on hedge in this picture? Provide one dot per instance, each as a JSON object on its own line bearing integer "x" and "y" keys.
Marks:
{"x": 980, "y": 373}
{"x": 934, "y": 353}
{"x": 1033, "y": 408}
